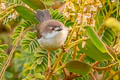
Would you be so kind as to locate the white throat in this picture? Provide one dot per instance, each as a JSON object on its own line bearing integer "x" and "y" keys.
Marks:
{"x": 53, "y": 40}
{"x": 52, "y": 34}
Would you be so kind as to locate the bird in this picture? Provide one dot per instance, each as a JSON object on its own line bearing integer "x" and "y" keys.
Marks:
{"x": 51, "y": 33}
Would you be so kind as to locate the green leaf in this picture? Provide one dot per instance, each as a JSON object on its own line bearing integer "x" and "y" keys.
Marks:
{"x": 99, "y": 21}
{"x": 78, "y": 67}
{"x": 95, "y": 39}
{"x": 25, "y": 72}
{"x": 108, "y": 36}
{"x": 39, "y": 75}
{"x": 92, "y": 51}
{"x": 4, "y": 46}
{"x": 40, "y": 60}
{"x": 49, "y": 3}
{"x": 30, "y": 42}
{"x": 18, "y": 29}
{"x": 56, "y": 15}
{"x": 34, "y": 4}
{"x": 68, "y": 23}
{"x": 9, "y": 75}
{"x": 26, "y": 14}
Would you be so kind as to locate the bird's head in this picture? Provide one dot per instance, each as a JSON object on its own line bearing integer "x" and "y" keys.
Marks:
{"x": 46, "y": 24}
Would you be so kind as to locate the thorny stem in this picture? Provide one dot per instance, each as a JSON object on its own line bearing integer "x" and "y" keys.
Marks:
{"x": 11, "y": 54}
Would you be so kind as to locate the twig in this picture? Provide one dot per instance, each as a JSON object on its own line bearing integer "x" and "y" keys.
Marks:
{"x": 7, "y": 14}
{"x": 49, "y": 64}
{"x": 5, "y": 11}
{"x": 82, "y": 57}
{"x": 95, "y": 64}
{"x": 55, "y": 65}
{"x": 64, "y": 69}
{"x": 92, "y": 76}
{"x": 101, "y": 29}
{"x": 70, "y": 35}
{"x": 104, "y": 74}
{"x": 72, "y": 76}
{"x": 110, "y": 78}
{"x": 10, "y": 55}
{"x": 76, "y": 47}
{"x": 105, "y": 68}
{"x": 115, "y": 41}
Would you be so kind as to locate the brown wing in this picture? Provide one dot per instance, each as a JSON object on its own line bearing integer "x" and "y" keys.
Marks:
{"x": 38, "y": 31}
{"x": 43, "y": 15}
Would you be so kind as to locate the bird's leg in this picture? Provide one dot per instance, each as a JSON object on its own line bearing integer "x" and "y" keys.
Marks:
{"x": 49, "y": 65}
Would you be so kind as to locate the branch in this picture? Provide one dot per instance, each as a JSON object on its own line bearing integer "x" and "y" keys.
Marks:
{"x": 64, "y": 69}
{"x": 10, "y": 55}
{"x": 105, "y": 68}
{"x": 82, "y": 56}
{"x": 110, "y": 78}
{"x": 92, "y": 76}
{"x": 95, "y": 64}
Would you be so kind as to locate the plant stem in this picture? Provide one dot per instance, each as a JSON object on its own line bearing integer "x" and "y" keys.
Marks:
{"x": 64, "y": 69}
{"x": 71, "y": 34}
{"x": 73, "y": 44}
{"x": 110, "y": 78}
{"x": 11, "y": 54}
{"x": 72, "y": 76}
{"x": 61, "y": 67}
{"x": 82, "y": 57}
{"x": 49, "y": 65}
{"x": 7, "y": 14}
{"x": 107, "y": 67}
{"x": 95, "y": 64}
{"x": 92, "y": 76}
{"x": 5, "y": 11}
{"x": 76, "y": 47}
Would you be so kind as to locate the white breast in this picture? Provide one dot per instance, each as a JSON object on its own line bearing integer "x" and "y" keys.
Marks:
{"x": 54, "y": 40}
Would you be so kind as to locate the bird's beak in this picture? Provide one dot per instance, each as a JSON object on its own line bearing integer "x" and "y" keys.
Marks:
{"x": 59, "y": 29}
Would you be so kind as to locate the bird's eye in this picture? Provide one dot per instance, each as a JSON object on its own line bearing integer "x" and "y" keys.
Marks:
{"x": 52, "y": 28}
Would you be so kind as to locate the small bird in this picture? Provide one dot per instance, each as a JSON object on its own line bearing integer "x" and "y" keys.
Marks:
{"x": 52, "y": 33}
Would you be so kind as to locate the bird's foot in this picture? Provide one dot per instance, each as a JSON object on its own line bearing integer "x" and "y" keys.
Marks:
{"x": 65, "y": 50}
